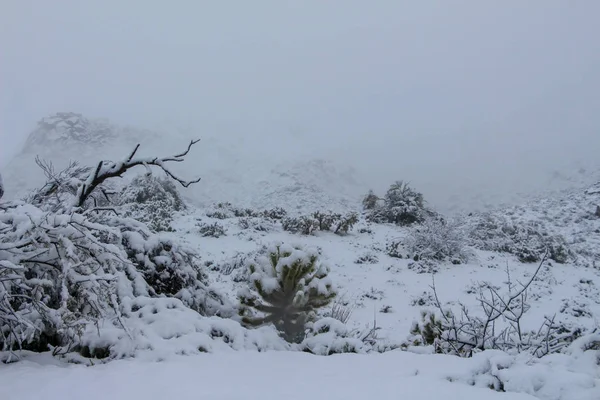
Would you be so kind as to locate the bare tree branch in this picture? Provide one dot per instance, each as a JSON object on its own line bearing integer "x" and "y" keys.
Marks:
{"x": 108, "y": 169}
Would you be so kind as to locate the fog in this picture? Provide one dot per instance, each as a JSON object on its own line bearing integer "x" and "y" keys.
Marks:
{"x": 451, "y": 95}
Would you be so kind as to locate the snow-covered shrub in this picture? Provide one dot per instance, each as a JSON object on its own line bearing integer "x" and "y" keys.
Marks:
{"x": 344, "y": 223}
{"x": 60, "y": 189}
{"x": 214, "y": 230}
{"x": 59, "y": 273}
{"x": 370, "y": 201}
{"x": 302, "y": 225}
{"x": 227, "y": 210}
{"x": 527, "y": 240}
{"x": 66, "y": 264}
{"x": 427, "y": 331}
{"x": 423, "y": 266}
{"x": 340, "y": 310}
{"x": 276, "y": 213}
{"x": 286, "y": 288}
{"x": 153, "y": 200}
{"x": 436, "y": 239}
{"x": 329, "y": 336}
{"x": 499, "y": 324}
{"x": 320, "y": 221}
{"x": 394, "y": 249}
{"x": 401, "y": 205}
{"x": 255, "y": 224}
{"x": 367, "y": 258}
{"x": 324, "y": 221}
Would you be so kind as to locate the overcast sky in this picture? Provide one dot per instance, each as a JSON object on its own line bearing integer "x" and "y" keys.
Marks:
{"x": 453, "y": 88}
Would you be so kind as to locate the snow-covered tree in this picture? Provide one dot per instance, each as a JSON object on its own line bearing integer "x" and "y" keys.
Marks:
{"x": 401, "y": 205}
{"x": 287, "y": 286}
{"x": 1, "y": 187}
{"x": 66, "y": 262}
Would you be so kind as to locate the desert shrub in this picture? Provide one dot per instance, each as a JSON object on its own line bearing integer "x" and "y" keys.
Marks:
{"x": 320, "y": 221}
{"x": 527, "y": 240}
{"x": 370, "y": 201}
{"x": 367, "y": 258}
{"x": 214, "y": 230}
{"x": 324, "y": 221}
{"x": 61, "y": 187}
{"x": 423, "y": 266}
{"x": 228, "y": 210}
{"x": 255, "y": 224}
{"x": 498, "y": 326}
{"x": 340, "y": 310}
{"x": 436, "y": 239}
{"x": 276, "y": 213}
{"x": 402, "y": 205}
{"x": 344, "y": 223}
{"x": 68, "y": 265}
{"x": 152, "y": 200}
{"x": 395, "y": 249}
{"x": 286, "y": 288}
{"x": 330, "y": 336}
{"x": 302, "y": 225}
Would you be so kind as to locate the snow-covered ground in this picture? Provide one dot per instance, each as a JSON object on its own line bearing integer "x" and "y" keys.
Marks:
{"x": 171, "y": 350}
{"x": 290, "y": 376}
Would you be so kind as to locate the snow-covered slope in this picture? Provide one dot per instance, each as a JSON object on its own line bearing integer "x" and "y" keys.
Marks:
{"x": 275, "y": 171}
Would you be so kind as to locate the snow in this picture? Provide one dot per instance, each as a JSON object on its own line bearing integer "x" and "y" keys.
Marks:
{"x": 171, "y": 350}
{"x": 248, "y": 375}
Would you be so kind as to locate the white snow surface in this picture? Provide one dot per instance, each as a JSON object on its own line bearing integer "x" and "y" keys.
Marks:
{"x": 284, "y": 375}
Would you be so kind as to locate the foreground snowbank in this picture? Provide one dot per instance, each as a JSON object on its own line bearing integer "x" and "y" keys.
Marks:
{"x": 289, "y": 376}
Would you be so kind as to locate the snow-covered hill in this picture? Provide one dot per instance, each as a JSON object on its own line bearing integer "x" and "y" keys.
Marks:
{"x": 263, "y": 169}
{"x": 273, "y": 172}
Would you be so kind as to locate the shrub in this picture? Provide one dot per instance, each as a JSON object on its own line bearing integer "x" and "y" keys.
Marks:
{"x": 370, "y": 201}
{"x": 215, "y": 230}
{"x": 286, "y": 288}
{"x": 498, "y": 326}
{"x": 321, "y": 221}
{"x": 402, "y": 205}
{"x": 527, "y": 240}
{"x": 256, "y": 224}
{"x": 276, "y": 213}
{"x": 436, "y": 239}
{"x": 152, "y": 200}
{"x": 303, "y": 225}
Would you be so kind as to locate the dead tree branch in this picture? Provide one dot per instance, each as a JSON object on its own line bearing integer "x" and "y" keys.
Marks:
{"x": 108, "y": 169}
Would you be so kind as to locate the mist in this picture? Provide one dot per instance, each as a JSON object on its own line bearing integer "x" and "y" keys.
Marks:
{"x": 458, "y": 97}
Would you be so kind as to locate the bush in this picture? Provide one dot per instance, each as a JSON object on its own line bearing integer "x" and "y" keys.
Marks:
{"x": 276, "y": 213}
{"x": 256, "y": 224}
{"x": 152, "y": 200}
{"x": 215, "y": 230}
{"x": 499, "y": 326}
{"x": 320, "y": 221}
{"x": 303, "y": 225}
{"x": 402, "y": 205}
{"x": 436, "y": 239}
{"x": 528, "y": 241}
{"x": 227, "y": 210}
{"x": 286, "y": 288}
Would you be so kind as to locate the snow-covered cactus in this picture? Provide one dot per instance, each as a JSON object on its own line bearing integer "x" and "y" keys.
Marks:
{"x": 286, "y": 287}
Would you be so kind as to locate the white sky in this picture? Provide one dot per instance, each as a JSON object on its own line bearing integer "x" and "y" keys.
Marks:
{"x": 442, "y": 89}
